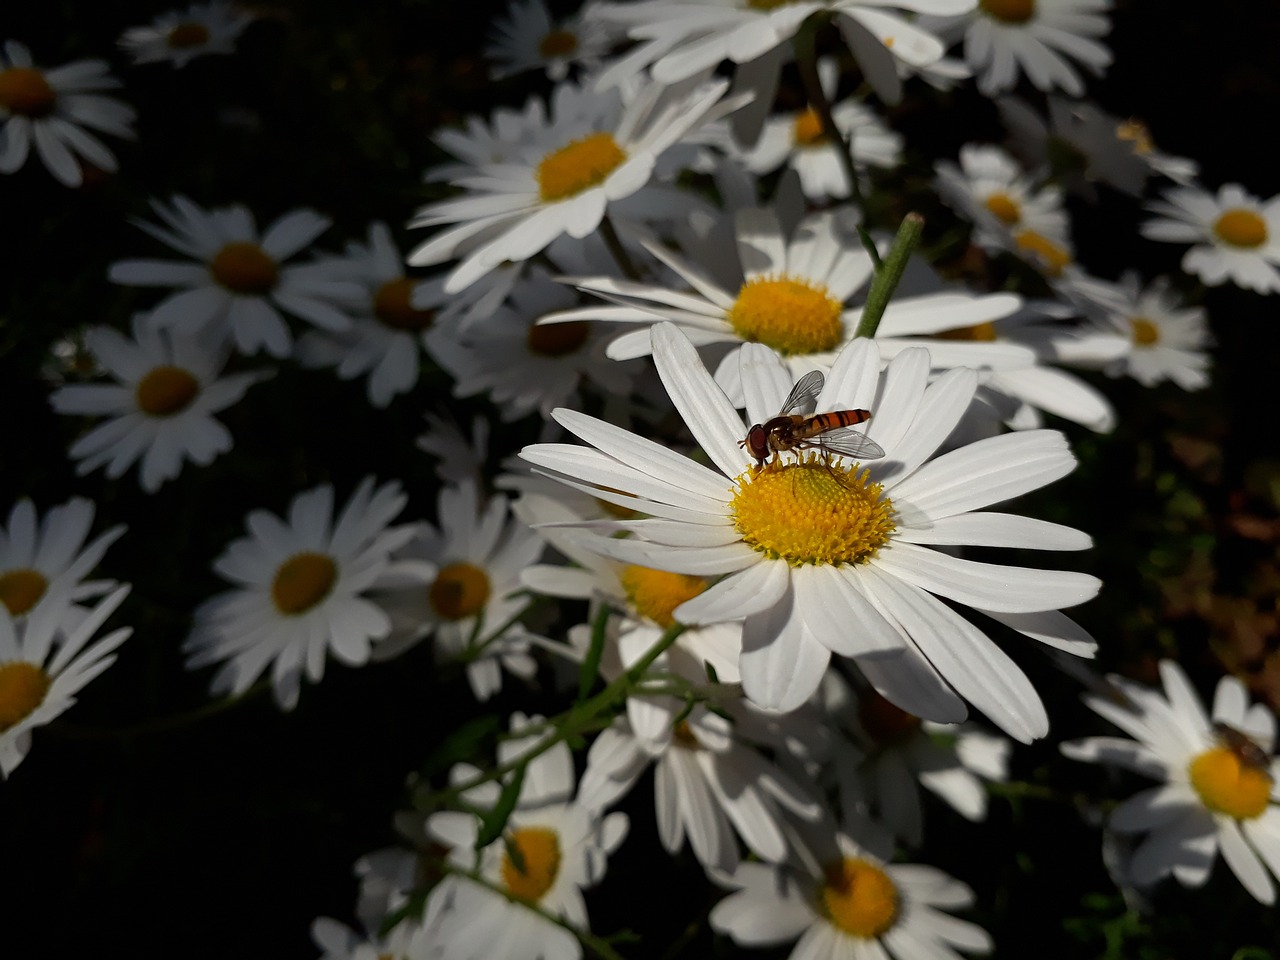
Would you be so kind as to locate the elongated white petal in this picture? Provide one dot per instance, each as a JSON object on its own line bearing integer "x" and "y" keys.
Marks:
{"x": 738, "y": 596}
{"x": 996, "y": 530}
{"x": 781, "y": 663}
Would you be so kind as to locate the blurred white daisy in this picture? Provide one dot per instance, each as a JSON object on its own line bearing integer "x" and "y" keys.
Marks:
{"x": 1220, "y": 784}
{"x": 39, "y": 677}
{"x": 1044, "y": 40}
{"x": 51, "y": 109}
{"x": 593, "y": 151}
{"x": 1236, "y": 236}
{"x": 236, "y": 278}
{"x": 850, "y": 905}
{"x": 179, "y": 36}
{"x": 169, "y": 385}
{"x": 460, "y": 457}
{"x": 302, "y": 591}
{"x": 808, "y": 544}
{"x": 528, "y": 38}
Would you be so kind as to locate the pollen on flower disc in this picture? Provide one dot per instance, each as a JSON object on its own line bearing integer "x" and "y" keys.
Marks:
{"x": 539, "y": 862}
{"x": 460, "y": 590}
{"x": 22, "y": 688}
{"x": 24, "y": 91}
{"x": 244, "y": 268}
{"x": 393, "y": 306}
{"x": 21, "y": 589}
{"x": 165, "y": 391}
{"x": 1143, "y": 332}
{"x": 580, "y": 165}
{"x": 1241, "y": 228}
{"x": 303, "y": 581}
{"x": 859, "y": 898}
{"x": 790, "y": 315}
{"x": 1226, "y": 784}
{"x": 656, "y": 593}
{"x": 807, "y": 129}
{"x": 1004, "y": 208}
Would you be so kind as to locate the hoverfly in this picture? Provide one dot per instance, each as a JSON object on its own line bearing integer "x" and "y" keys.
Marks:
{"x": 830, "y": 433}
{"x": 1249, "y": 752}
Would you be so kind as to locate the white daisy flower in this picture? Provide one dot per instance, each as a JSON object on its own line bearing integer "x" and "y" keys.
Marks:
{"x": 1220, "y": 786}
{"x": 850, "y": 906}
{"x": 407, "y": 940}
{"x": 179, "y": 36}
{"x": 594, "y": 151}
{"x": 1043, "y": 39}
{"x": 236, "y": 278}
{"x": 468, "y": 603}
{"x": 527, "y": 38}
{"x": 460, "y": 458}
{"x": 303, "y": 586}
{"x": 161, "y": 409}
{"x": 50, "y": 555}
{"x": 1236, "y": 236}
{"x": 389, "y": 318}
{"x": 52, "y": 109}
{"x": 809, "y": 544}
{"x": 39, "y": 677}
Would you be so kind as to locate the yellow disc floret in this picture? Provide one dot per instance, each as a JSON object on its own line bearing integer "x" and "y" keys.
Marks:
{"x": 1004, "y": 208}
{"x": 393, "y": 306}
{"x": 656, "y": 593}
{"x": 1010, "y": 11}
{"x": 558, "y": 43}
{"x": 21, "y": 589}
{"x": 1227, "y": 784}
{"x": 859, "y": 898}
{"x": 539, "y": 862}
{"x": 24, "y": 91}
{"x": 1051, "y": 256}
{"x": 807, "y": 129}
{"x": 984, "y": 332}
{"x": 1143, "y": 332}
{"x": 460, "y": 590}
{"x": 22, "y": 688}
{"x": 812, "y": 511}
{"x": 789, "y": 314}
{"x": 244, "y": 268}
{"x": 165, "y": 391}
{"x": 188, "y": 36}
{"x": 1241, "y": 228}
{"x": 578, "y": 166}
{"x": 303, "y": 581}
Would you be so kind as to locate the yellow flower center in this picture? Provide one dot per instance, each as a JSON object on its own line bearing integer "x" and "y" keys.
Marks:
{"x": 460, "y": 590}
{"x": 21, "y": 589}
{"x": 558, "y": 43}
{"x": 812, "y": 511}
{"x": 1144, "y": 332}
{"x": 682, "y": 735}
{"x": 1227, "y": 784}
{"x": 807, "y": 129}
{"x": 393, "y": 306}
{"x": 24, "y": 91}
{"x": 165, "y": 391}
{"x": 1051, "y": 256}
{"x": 303, "y": 581}
{"x": 1004, "y": 208}
{"x": 886, "y": 723}
{"x": 984, "y": 332}
{"x": 767, "y": 4}
{"x": 791, "y": 316}
{"x": 579, "y": 166}
{"x": 1135, "y": 132}
{"x": 1010, "y": 11}
{"x": 556, "y": 339}
{"x": 185, "y": 36}
{"x": 859, "y": 898}
{"x": 1241, "y": 228}
{"x": 656, "y": 593}
{"x": 243, "y": 267}
{"x": 22, "y": 688}
{"x": 533, "y": 876}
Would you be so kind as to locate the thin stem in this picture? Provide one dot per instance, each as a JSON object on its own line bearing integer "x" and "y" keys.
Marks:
{"x": 616, "y": 249}
{"x": 886, "y": 279}
{"x": 159, "y": 724}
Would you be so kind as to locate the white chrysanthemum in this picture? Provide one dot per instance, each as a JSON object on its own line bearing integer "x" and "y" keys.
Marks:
{"x": 179, "y": 36}
{"x": 1236, "y": 236}
{"x": 389, "y": 319}
{"x": 39, "y": 677}
{"x": 594, "y": 151}
{"x": 460, "y": 458}
{"x": 563, "y": 848}
{"x": 1220, "y": 786}
{"x": 303, "y": 586}
{"x": 850, "y": 906}
{"x": 468, "y": 604}
{"x": 51, "y": 110}
{"x": 1043, "y": 39}
{"x": 237, "y": 278}
{"x": 527, "y": 38}
{"x": 51, "y": 557}
{"x": 808, "y": 546}
{"x": 169, "y": 385}
{"x": 1009, "y": 209}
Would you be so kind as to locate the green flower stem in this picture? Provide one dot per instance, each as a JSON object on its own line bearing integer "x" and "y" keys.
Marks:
{"x": 609, "y": 233}
{"x": 885, "y": 282}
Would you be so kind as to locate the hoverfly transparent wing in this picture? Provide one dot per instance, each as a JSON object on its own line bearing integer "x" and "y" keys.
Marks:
{"x": 804, "y": 394}
{"x": 849, "y": 442}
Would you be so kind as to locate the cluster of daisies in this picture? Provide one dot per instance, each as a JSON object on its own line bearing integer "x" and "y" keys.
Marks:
{"x": 756, "y": 546}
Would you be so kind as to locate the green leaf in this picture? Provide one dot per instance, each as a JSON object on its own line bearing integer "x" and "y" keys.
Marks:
{"x": 495, "y": 822}
{"x": 591, "y": 662}
{"x": 461, "y": 745}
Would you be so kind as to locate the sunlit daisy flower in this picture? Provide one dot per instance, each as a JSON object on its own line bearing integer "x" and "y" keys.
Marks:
{"x": 42, "y": 667}
{"x": 1236, "y": 236}
{"x": 1220, "y": 786}
{"x": 1168, "y": 340}
{"x": 161, "y": 408}
{"x": 848, "y": 904}
{"x": 459, "y": 457}
{"x": 594, "y": 151}
{"x": 237, "y": 278}
{"x": 303, "y": 589}
{"x": 50, "y": 555}
{"x": 502, "y": 905}
{"x": 527, "y": 38}
{"x": 1045, "y": 40}
{"x": 51, "y": 109}
{"x": 469, "y": 604}
{"x": 855, "y": 545}
{"x": 389, "y": 318}
{"x": 179, "y": 36}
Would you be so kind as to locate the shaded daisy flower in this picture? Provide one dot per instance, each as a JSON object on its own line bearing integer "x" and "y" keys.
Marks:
{"x": 1220, "y": 788}
{"x": 168, "y": 387}
{"x": 302, "y": 591}
{"x": 237, "y": 278}
{"x": 39, "y": 677}
{"x": 51, "y": 110}
{"x": 807, "y": 545}
{"x": 179, "y": 36}
{"x": 527, "y": 38}
{"x": 1235, "y": 235}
